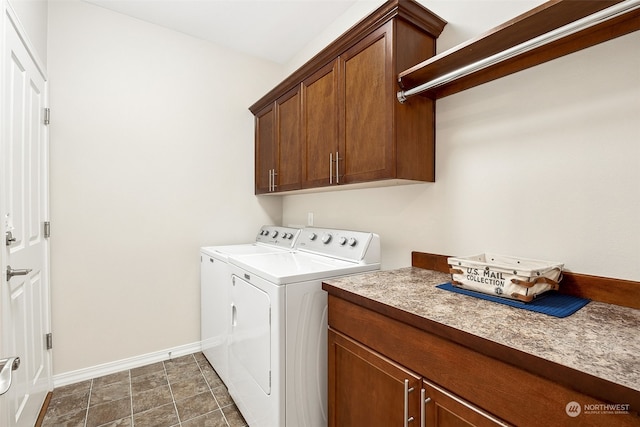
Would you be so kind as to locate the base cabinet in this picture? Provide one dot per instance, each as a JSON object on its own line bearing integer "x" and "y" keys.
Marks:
{"x": 372, "y": 355}
{"x": 366, "y": 388}
{"x": 444, "y": 409}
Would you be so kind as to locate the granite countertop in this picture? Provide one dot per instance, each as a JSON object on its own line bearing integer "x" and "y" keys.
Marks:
{"x": 600, "y": 339}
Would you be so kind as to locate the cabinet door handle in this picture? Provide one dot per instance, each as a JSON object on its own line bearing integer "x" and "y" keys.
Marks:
{"x": 337, "y": 168}
{"x": 273, "y": 186}
{"x": 423, "y": 407}
{"x": 269, "y": 180}
{"x": 407, "y": 390}
{"x": 330, "y": 168}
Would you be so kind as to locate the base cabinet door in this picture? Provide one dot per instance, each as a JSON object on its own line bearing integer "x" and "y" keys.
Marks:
{"x": 444, "y": 409}
{"x": 367, "y": 389}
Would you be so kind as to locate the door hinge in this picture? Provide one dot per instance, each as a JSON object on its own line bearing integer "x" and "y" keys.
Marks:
{"x": 47, "y": 116}
{"x": 47, "y": 229}
{"x": 49, "y": 341}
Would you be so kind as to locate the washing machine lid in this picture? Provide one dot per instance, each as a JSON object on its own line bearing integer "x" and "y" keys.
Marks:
{"x": 224, "y": 252}
{"x": 290, "y": 267}
{"x": 270, "y": 238}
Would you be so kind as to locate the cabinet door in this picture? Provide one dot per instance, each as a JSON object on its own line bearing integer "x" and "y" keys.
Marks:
{"x": 367, "y": 151}
{"x": 367, "y": 389}
{"x": 287, "y": 171}
{"x": 444, "y": 409}
{"x": 320, "y": 126}
{"x": 265, "y": 149}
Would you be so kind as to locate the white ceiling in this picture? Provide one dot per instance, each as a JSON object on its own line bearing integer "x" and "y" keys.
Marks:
{"x": 271, "y": 29}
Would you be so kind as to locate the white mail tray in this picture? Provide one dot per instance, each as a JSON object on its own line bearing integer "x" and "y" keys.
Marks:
{"x": 505, "y": 276}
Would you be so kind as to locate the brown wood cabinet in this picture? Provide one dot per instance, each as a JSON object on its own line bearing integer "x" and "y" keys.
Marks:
{"x": 371, "y": 355}
{"x": 369, "y": 389}
{"x": 278, "y": 144}
{"x": 367, "y": 151}
{"x": 351, "y": 128}
{"x": 320, "y": 126}
{"x": 265, "y": 151}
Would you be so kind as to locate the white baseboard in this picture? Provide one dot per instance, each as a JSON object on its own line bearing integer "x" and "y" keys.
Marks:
{"x": 124, "y": 364}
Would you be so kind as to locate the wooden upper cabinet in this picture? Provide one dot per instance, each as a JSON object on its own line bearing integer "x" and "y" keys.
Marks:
{"x": 366, "y": 149}
{"x": 352, "y": 129}
{"x": 278, "y": 145}
{"x": 288, "y": 137}
{"x": 382, "y": 138}
{"x": 319, "y": 126}
{"x": 265, "y": 148}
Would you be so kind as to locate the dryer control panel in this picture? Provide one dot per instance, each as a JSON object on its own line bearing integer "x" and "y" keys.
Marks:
{"x": 357, "y": 246}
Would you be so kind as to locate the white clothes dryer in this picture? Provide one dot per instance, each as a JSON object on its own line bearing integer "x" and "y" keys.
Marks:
{"x": 278, "y": 338}
{"x": 215, "y": 282}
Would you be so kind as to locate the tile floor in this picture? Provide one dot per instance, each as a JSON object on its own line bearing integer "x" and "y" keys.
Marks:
{"x": 182, "y": 392}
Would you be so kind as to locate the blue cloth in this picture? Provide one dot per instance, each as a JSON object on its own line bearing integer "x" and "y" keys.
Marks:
{"x": 551, "y": 303}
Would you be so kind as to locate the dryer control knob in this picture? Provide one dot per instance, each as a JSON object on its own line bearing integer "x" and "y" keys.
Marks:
{"x": 313, "y": 236}
{"x": 265, "y": 232}
{"x": 275, "y": 234}
{"x": 352, "y": 241}
{"x": 343, "y": 241}
{"x": 326, "y": 238}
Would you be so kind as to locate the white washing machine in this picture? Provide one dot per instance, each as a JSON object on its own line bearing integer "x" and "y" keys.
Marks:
{"x": 215, "y": 282}
{"x": 278, "y": 340}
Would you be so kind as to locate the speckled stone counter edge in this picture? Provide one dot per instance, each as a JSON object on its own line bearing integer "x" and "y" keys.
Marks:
{"x": 602, "y": 340}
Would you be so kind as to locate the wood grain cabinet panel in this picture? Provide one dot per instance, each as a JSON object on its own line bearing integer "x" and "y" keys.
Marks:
{"x": 367, "y": 389}
{"x": 319, "y": 126}
{"x": 352, "y": 129}
{"x": 444, "y": 409}
{"x": 278, "y": 145}
{"x": 366, "y": 151}
{"x": 288, "y": 116}
{"x": 265, "y": 151}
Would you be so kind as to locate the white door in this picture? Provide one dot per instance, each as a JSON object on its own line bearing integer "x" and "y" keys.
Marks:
{"x": 24, "y": 299}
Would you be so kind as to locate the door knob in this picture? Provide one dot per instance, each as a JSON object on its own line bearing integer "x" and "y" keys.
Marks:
{"x": 6, "y": 367}
{"x": 17, "y": 272}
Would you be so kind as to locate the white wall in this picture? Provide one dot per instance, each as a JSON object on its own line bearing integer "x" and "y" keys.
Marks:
{"x": 33, "y": 17}
{"x": 542, "y": 164}
{"x": 151, "y": 158}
